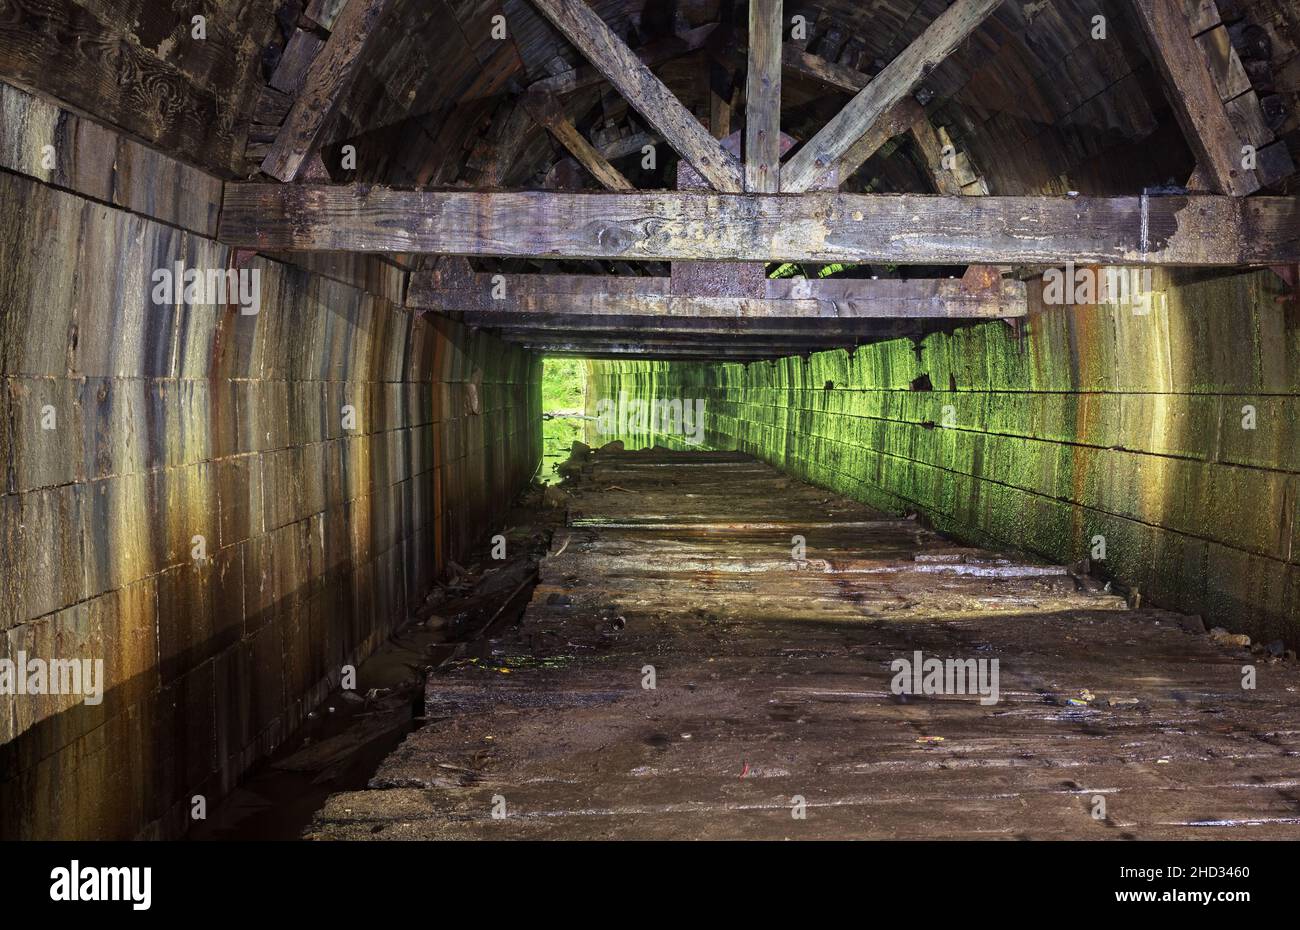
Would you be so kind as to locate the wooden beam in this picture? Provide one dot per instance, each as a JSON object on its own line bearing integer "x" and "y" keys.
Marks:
{"x": 753, "y": 342}
{"x": 895, "y": 121}
{"x": 650, "y": 350}
{"x": 1195, "y": 98}
{"x": 819, "y": 69}
{"x": 783, "y": 298}
{"x": 654, "y": 53}
{"x": 515, "y": 121}
{"x": 763, "y": 98}
{"x": 908, "y": 229}
{"x": 627, "y": 145}
{"x": 645, "y": 92}
{"x": 327, "y": 82}
{"x": 931, "y": 148}
{"x": 721, "y": 92}
{"x": 76, "y": 54}
{"x": 562, "y": 323}
{"x": 548, "y": 112}
{"x": 829, "y": 157}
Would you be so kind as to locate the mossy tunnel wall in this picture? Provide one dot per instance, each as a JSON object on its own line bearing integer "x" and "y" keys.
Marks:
{"x": 133, "y": 431}
{"x": 186, "y": 496}
{"x": 1170, "y": 433}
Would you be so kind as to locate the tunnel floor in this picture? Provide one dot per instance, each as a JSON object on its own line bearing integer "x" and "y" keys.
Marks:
{"x": 772, "y": 713}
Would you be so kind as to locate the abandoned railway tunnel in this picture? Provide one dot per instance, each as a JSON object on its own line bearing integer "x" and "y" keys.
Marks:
{"x": 938, "y": 369}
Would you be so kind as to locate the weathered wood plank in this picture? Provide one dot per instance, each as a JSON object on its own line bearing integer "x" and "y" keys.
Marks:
{"x": 300, "y": 51}
{"x": 608, "y": 295}
{"x": 324, "y": 12}
{"x": 819, "y": 69}
{"x": 831, "y": 151}
{"x": 895, "y": 121}
{"x": 819, "y": 227}
{"x": 1202, "y": 15}
{"x": 645, "y": 92}
{"x": 626, "y": 145}
{"x": 650, "y": 352}
{"x": 652, "y": 54}
{"x": 763, "y": 98}
{"x": 721, "y": 92}
{"x": 560, "y": 323}
{"x": 327, "y": 80}
{"x": 931, "y": 148}
{"x": 59, "y": 48}
{"x": 1225, "y": 65}
{"x": 1194, "y": 96}
{"x": 547, "y": 111}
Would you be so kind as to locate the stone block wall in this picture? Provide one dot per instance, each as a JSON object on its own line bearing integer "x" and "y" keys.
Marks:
{"x": 226, "y": 508}
{"x": 1087, "y": 421}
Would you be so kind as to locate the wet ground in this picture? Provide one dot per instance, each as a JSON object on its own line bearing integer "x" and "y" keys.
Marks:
{"x": 684, "y": 671}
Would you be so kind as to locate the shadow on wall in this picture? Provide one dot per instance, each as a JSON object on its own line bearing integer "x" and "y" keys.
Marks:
{"x": 1162, "y": 445}
{"x": 224, "y": 507}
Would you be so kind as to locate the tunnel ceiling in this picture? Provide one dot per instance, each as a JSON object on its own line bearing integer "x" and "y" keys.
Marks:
{"x": 1031, "y": 102}
{"x": 1031, "y": 99}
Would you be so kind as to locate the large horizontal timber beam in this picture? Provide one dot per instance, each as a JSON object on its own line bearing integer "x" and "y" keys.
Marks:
{"x": 784, "y": 298}
{"x": 759, "y": 344}
{"x": 903, "y": 229}
{"x": 652, "y": 352}
{"x": 561, "y": 324}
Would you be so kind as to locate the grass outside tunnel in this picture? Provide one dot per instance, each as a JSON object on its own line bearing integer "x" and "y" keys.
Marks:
{"x": 564, "y": 392}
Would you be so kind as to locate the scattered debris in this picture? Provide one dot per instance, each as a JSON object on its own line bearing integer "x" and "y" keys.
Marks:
{"x": 552, "y": 496}
{"x": 1222, "y": 636}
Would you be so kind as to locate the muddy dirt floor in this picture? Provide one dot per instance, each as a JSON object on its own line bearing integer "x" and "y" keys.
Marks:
{"x": 772, "y": 684}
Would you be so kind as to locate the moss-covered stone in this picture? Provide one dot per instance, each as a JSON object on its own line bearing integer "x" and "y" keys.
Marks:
{"x": 1091, "y": 421}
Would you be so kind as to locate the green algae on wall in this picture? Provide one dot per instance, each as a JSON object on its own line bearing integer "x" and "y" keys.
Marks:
{"x": 1173, "y": 434}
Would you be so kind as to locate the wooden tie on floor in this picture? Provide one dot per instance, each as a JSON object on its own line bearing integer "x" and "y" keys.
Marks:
{"x": 772, "y": 683}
